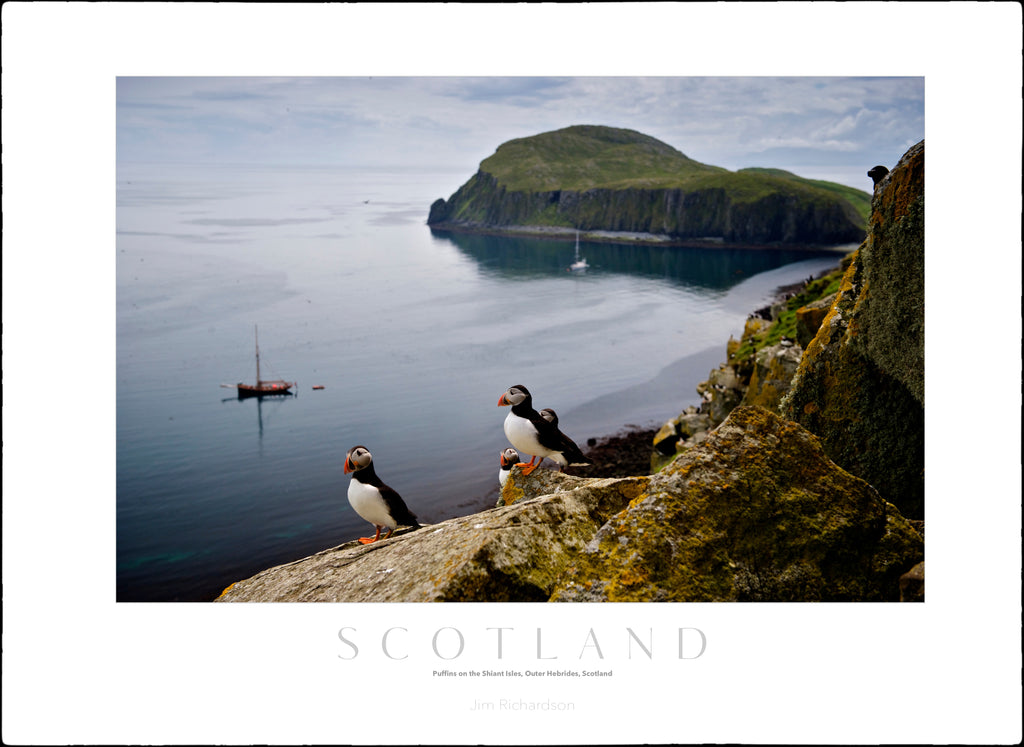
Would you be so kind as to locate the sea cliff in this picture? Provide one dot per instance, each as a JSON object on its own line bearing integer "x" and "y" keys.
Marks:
{"x": 601, "y": 180}
{"x": 799, "y": 478}
{"x": 842, "y": 354}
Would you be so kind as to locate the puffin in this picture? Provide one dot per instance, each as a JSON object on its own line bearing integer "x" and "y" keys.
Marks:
{"x": 372, "y": 499}
{"x": 509, "y": 458}
{"x": 549, "y": 415}
{"x": 531, "y": 433}
{"x": 878, "y": 173}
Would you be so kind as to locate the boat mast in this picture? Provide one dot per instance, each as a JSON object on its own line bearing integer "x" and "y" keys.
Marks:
{"x": 257, "y": 333}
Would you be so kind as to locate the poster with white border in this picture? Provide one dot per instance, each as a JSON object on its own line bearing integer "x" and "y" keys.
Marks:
{"x": 80, "y": 668}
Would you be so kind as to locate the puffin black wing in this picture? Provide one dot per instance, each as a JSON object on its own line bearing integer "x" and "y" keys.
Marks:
{"x": 397, "y": 508}
{"x": 552, "y": 438}
{"x": 572, "y": 452}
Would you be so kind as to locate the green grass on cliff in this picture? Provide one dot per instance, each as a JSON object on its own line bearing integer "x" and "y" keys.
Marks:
{"x": 590, "y": 157}
{"x": 785, "y": 324}
{"x": 858, "y": 198}
{"x": 587, "y": 157}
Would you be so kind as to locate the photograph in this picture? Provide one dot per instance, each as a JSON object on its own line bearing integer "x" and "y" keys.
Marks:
{"x": 591, "y": 278}
{"x": 343, "y": 312}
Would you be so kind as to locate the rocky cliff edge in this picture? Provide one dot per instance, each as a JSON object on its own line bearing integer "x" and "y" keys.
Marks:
{"x": 755, "y": 513}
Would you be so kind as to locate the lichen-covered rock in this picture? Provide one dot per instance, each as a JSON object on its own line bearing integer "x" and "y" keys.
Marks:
{"x": 688, "y": 429}
{"x": 859, "y": 401}
{"x": 667, "y": 437}
{"x": 756, "y": 513}
{"x": 540, "y": 482}
{"x": 774, "y": 367}
{"x": 721, "y": 392}
{"x": 513, "y": 553}
{"x": 810, "y": 317}
{"x": 891, "y": 313}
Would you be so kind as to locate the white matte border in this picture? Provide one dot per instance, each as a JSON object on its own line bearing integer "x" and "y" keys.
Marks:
{"x": 80, "y": 668}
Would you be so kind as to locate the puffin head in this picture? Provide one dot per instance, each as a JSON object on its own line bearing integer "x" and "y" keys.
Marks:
{"x": 358, "y": 458}
{"x": 549, "y": 415}
{"x": 878, "y": 173}
{"x": 513, "y": 396}
{"x": 509, "y": 457}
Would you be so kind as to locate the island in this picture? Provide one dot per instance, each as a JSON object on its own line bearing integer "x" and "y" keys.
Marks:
{"x": 617, "y": 184}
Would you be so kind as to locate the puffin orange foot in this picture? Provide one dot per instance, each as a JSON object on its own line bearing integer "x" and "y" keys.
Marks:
{"x": 528, "y": 468}
{"x": 368, "y": 540}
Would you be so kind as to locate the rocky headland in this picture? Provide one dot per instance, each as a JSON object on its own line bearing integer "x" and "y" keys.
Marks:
{"x": 800, "y": 477}
{"x": 621, "y": 185}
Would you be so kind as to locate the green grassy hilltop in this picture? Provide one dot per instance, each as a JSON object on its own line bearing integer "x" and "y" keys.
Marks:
{"x": 589, "y": 157}
{"x": 608, "y": 179}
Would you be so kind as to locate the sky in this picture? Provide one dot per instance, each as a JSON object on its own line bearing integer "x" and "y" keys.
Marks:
{"x": 833, "y": 128}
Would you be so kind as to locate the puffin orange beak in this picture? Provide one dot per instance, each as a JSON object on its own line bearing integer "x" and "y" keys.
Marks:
{"x": 348, "y": 466}
{"x": 502, "y": 402}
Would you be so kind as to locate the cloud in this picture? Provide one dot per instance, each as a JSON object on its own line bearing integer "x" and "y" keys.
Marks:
{"x": 455, "y": 122}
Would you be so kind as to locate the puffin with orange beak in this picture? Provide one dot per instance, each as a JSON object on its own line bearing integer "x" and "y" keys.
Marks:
{"x": 372, "y": 499}
{"x": 509, "y": 459}
{"x": 532, "y": 433}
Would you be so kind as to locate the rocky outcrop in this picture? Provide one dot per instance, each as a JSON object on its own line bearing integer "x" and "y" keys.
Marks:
{"x": 756, "y": 512}
{"x": 854, "y": 374}
{"x": 810, "y": 317}
{"x": 890, "y": 315}
{"x": 760, "y": 369}
{"x": 722, "y": 392}
{"x": 513, "y": 553}
{"x": 774, "y": 367}
{"x": 688, "y": 429}
{"x": 860, "y": 384}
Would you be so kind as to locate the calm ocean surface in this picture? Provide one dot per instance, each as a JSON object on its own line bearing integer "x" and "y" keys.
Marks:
{"x": 413, "y": 336}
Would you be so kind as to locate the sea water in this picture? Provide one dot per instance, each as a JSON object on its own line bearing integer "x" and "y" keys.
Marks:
{"x": 413, "y": 335}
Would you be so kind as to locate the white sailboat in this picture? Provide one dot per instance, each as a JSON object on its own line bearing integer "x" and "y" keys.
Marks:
{"x": 580, "y": 264}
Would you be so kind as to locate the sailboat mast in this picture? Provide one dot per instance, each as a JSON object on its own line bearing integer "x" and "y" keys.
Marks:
{"x": 257, "y": 333}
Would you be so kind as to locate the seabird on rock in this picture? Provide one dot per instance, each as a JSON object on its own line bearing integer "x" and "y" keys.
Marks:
{"x": 530, "y": 433}
{"x": 877, "y": 174}
{"x": 372, "y": 499}
{"x": 509, "y": 458}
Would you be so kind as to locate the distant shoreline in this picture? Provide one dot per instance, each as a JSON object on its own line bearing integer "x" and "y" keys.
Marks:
{"x": 628, "y": 237}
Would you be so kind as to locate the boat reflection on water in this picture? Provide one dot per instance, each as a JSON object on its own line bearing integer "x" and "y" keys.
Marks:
{"x": 259, "y": 403}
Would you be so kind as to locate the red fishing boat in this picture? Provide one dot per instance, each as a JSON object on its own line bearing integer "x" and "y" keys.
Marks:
{"x": 262, "y": 387}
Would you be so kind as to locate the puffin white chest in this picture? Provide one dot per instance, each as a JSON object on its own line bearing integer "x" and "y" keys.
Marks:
{"x": 369, "y": 504}
{"x": 521, "y": 433}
